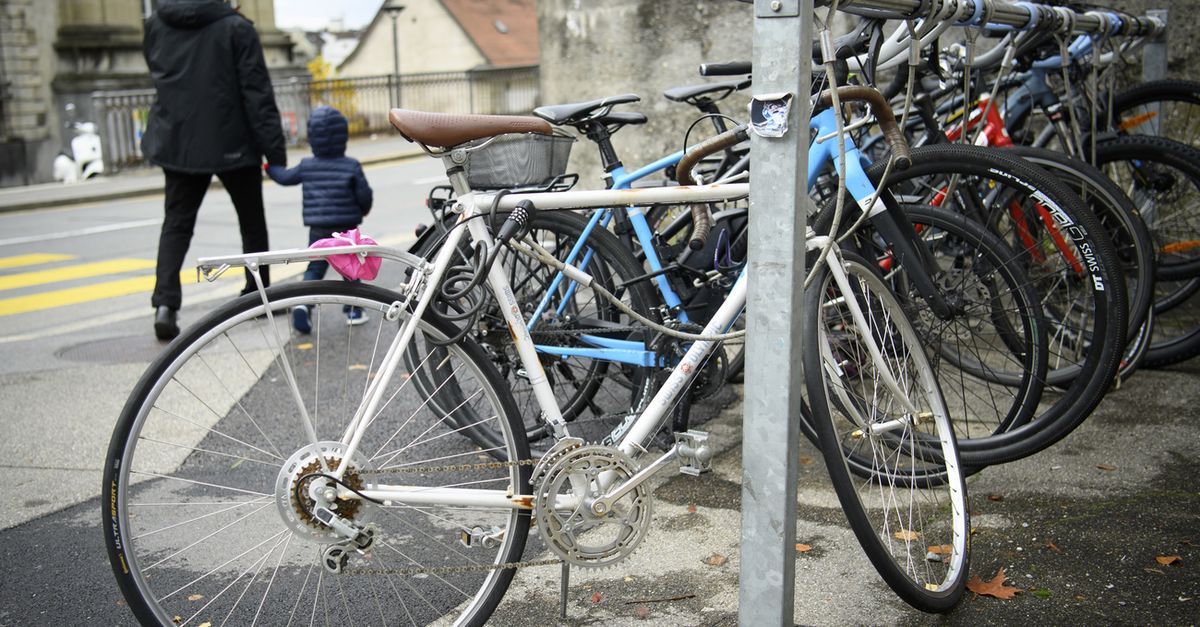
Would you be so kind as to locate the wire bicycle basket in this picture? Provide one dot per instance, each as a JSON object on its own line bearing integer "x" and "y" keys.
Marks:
{"x": 517, "y": 160}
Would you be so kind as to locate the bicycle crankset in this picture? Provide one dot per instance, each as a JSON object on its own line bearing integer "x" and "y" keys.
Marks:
{"x": 576, "y": 522}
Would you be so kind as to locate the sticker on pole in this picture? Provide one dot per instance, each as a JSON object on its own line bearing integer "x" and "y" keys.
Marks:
{"x": 769, "y": 114}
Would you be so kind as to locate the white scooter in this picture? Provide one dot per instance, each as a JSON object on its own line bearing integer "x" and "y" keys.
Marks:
{"x": 83, "y": 157}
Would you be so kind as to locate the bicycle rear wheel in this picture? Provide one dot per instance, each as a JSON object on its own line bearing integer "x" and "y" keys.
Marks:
{"x": 1067, "y": 256}
{"x": 915, "y": 532}
{"x": 1131, "y": 241}
{"x": 205, "y": 513}
{"x": 1168, "y": 108}
{"x": 1162, "y": 177}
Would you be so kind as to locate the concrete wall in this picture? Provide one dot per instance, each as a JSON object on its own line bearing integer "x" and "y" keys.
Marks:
{"x": 1183, "y": 29}
{"x": 595, "y": 49}
{"x": 429, "y": 39}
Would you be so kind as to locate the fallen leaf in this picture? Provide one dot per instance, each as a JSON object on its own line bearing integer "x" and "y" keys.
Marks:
{"x": 205, "y": 624}
{"x": 642, "y": 612}
{"x": 716, "y": 559}
{"x": 994, "y": 587}
{"x": 1080, "y": 597}
{"x": 805, "y": 460}
{"x": 195, "y": 597}
{"x": 907, "y": 535}
{"x": 178, "y": 619}
{"x": 1153, "y": 570}
{"x": 1041, "y": 593}
{"x": 691, "y": 508}
{"x": 940, "y": 549}
{"x": 802, "y": 548}
{"x": 1051, "y": 546}
{"x": 1106, "y": 467}
{"x": 628, "y": 578}
{"x": 995, "y": 497}
{"x": 596, "y": 597}
{"x": 1167, "y": 560}
{"x": 120, "y": 602}
{"x": 305, "y": 346}
{"x": 358, "y": 366}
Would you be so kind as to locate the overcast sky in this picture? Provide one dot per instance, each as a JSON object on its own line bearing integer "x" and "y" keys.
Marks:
{"x": 315, "y": 14}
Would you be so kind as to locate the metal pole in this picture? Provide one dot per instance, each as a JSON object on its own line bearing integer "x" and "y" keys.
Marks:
{"x": 780, "y": 203}
{"x": 1154, "y": 56}
{"x": 395, "y": 54}
{"x": 395, "y": 47}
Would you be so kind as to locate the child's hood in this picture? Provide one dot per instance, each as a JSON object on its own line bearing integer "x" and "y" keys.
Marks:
{"x": 327, "y": 132}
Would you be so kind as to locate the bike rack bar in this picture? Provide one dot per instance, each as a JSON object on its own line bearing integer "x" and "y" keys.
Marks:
{"x": 1017, "y": 15}
{"x": 780, "y": 203}
{"x": 1154, "y": 55}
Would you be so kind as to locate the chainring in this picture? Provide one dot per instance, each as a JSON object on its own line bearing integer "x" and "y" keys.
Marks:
{"x": 566, "y": 521}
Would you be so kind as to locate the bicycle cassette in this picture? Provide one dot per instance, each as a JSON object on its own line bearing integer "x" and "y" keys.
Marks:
{"x": 575, "y": 523}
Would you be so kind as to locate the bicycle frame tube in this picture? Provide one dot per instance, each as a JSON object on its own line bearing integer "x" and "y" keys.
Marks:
{"x": 897, "y": 232}
{"x": 622, "y": 351}
{"x": 601, "y": 217}
{"x": 642, "y": 428}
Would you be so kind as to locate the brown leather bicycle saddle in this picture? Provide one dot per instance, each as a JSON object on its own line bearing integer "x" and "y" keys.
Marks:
{"x": 442, "y": 130}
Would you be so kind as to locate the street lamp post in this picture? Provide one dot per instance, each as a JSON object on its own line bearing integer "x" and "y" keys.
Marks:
{"x": 393, "y": 11}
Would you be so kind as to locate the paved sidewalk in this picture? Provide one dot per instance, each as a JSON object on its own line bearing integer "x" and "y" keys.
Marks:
{"x": 1078, "y": 528}
{"x": 145, "y": 181}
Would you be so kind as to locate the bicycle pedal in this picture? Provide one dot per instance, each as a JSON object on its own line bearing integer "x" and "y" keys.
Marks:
{"x": 693, "y": 452}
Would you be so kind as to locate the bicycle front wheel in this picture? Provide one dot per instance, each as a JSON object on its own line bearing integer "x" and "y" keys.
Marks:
{"x": 207, "y": 517}
{"x": 914, "y": 531}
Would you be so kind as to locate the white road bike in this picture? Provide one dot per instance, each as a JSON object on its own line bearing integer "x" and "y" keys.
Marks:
{"x": 261, "y": 476}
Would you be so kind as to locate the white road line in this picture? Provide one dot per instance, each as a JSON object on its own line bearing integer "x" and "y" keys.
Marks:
{"x": 120, "y": 226}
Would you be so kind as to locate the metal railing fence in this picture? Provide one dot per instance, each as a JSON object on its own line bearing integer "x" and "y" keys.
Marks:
{"x": 365, "y": 101}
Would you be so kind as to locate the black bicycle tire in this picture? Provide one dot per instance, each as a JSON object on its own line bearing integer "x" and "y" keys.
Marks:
{"x": 1157, "y": 91}
{"x": 112, "y": 522}
{"x": 1180, "y": 157}
{"x": 1177, "y": 348}
{"x": 1084, "y": 393}
{"x": 1121, "y": 217}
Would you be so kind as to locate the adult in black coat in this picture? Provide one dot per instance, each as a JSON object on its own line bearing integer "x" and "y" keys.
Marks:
{"x": 215, "y": 114}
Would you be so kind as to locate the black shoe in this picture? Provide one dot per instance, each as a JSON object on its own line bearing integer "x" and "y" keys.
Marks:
{"x": 165, "y": 326}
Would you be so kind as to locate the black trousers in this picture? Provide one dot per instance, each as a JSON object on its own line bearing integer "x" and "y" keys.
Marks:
{"x": 184, "y": 194}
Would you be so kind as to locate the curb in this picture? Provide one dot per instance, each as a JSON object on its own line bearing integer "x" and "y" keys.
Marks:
{"x": 156, "y": 187}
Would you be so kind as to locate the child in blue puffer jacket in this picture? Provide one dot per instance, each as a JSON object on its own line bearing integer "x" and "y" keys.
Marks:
{"x": 336, "y": 195}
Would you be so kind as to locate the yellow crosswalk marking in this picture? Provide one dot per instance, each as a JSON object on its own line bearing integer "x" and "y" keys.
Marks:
{"x": 89, "y": 293}
{"x": 78, "y": 271}
{"x": 31, "y": 260}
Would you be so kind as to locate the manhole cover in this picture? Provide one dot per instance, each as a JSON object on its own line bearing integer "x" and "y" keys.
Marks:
{"x": 114, "y": 350}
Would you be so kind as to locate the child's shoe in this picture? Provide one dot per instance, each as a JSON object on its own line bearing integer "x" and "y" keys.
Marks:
{"x": 356, "y": 316}
{"x": 300, "y": 320}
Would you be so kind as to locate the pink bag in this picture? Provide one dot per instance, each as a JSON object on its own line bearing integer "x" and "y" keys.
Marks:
{"x": 351, "y": 265}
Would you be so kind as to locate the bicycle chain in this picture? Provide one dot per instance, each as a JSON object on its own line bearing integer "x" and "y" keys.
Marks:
{"x": 449, "y": 468}
{"x": 450, "y": 570}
